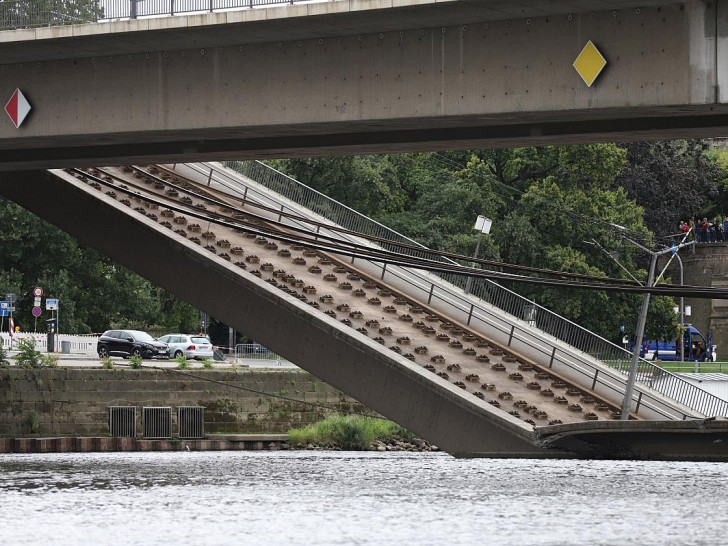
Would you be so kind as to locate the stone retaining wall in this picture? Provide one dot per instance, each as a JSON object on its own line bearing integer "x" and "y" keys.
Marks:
{"x": 75, "y": 401}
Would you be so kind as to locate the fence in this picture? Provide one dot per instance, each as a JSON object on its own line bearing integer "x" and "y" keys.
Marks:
{"x": 259, "y": 354}
{"x": 79, "y": 343}
{"x": 537, "y": 332}
{"x": 15, "y": 14}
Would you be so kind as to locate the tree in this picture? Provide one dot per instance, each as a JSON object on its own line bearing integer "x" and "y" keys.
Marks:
{"x": 33, "y": 13}
{"x": 672, "y": 180}
{"x": 95, "y": 293}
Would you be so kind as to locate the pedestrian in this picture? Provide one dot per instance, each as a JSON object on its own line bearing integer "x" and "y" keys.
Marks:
{"x": 691, "y": 225}
{"x": 703, "y": 236}
{"x": 716, "y": 231}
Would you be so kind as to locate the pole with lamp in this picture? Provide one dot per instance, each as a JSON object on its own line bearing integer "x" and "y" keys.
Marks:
{"x": 682, "y": 312}
{"x": 642, "y": 319}
{"x": 482, "y": 224}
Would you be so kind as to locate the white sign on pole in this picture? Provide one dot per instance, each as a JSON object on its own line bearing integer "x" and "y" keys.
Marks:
{"x": 483, "y": 224}
{"x": 36, "y": 302}
{"x": 51, "y": 304}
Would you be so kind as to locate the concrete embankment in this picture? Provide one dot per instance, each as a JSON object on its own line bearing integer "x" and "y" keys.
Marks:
{"x": 106, "y": 444}
{"x": 64, "y": 403}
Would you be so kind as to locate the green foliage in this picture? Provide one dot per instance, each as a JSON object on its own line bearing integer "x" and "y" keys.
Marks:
{"x": 353, "y": 433}
{"x": 4, "y": 362}
{"x": 182, "y": 362}
{"x": 33, "y": 421}
{"x": 34, "y": 13}
{"x": 29, "y": 357}
{"x": 206, "y": 363}
{"x": 135, "y": 362}
{"x": 95, "y": 293}
{"x": 552, "y": 207}
{"x": 107, "y": 363}
{"x": 672, "y": 180}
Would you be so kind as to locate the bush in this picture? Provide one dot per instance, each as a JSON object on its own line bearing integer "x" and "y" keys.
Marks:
{"x": 4, "y": 362}
{"x": 107, "y": 363}
{"x": 351, "y": 433}
{"x": 207, "y": 363}
{"x": 29, "y": 357}
{"x": 135, "y": 362}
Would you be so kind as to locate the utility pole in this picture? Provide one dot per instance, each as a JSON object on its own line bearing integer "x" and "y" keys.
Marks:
{"x": 482, "y": 224}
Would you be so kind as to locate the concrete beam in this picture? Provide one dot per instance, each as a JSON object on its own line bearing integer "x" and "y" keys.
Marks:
{"x": 387, "y": 383}
{"x": 379, "y": 84}
{"x": 302, "y": 21}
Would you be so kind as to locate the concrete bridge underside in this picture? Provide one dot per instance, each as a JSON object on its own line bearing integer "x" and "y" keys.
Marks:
{"x": 351, "y": 77}
{"x": 402, "y": 390}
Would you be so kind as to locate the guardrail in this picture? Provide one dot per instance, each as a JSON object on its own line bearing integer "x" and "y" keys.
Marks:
{"x": 15, "y": 14}
{"x": 535, "y": 330}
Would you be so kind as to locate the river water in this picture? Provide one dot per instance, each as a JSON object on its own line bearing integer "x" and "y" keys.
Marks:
{"x": 369, "y": 498}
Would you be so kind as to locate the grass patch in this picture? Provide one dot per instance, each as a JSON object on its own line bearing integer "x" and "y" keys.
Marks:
{"x": 351, "y": 432}
{"x": 135, "y": 362}
{"x": 689, "y": 367}
{"x": 107, "y": 363}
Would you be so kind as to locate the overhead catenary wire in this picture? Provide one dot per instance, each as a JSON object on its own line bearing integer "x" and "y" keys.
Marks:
{"x": 335, "y": 246}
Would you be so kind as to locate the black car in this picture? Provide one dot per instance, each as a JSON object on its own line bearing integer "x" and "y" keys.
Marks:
{"x": 131, "y": 343}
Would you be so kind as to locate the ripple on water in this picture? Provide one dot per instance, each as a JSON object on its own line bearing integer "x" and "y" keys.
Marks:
{"x": 326, "y": 498}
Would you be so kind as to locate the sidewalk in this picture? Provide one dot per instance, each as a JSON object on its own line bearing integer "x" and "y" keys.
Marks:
{"x": 86, "y": 360}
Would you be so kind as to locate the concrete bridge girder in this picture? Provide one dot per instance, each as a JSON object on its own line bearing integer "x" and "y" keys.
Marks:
{"x": 475, "y": 83}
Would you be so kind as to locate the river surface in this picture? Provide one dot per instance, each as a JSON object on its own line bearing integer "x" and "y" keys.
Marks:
{"x": 370, "y": 498}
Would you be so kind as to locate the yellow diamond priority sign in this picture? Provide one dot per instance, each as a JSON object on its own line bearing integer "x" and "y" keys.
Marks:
{"x": 590, "y": 63}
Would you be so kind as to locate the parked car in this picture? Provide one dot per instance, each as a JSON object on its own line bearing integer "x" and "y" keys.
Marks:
{"x": 188, "y": 345}
{"x": 130, "y": 343}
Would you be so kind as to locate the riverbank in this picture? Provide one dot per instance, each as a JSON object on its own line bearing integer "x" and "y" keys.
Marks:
{"x": 236, "y": 442}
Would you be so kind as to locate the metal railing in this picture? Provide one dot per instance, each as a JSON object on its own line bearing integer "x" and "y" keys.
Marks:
{"x": 16, "y": 14}
{"x": 253, "y": 351}
{"x": 534, "y": 329}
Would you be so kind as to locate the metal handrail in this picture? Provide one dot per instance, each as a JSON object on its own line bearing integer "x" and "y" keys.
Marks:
{"x": 528, "y": 315}
{"x": 15, "y": 14}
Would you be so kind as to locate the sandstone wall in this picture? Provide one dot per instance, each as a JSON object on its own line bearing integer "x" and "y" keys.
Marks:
{"x": 75, "y": 401}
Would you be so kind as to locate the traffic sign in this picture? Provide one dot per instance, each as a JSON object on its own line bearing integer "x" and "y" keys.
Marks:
{"x": 17, "y": 108}
{"x": 12, "y": 298}
{"x": 4, "y": 309}
{"x": 37, "y": 291}
{"x": 36, "y": 302}
{"x": 51, "y": 304}
{"x": 37, "y": 311}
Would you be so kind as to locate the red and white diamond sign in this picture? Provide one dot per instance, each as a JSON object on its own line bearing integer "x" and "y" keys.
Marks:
{"x": 17, "y": 107}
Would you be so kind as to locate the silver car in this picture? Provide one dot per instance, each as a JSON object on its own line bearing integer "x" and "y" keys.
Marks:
{"x": 188, "y": 345}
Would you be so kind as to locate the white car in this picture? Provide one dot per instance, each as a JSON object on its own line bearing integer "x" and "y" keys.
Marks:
{"x": 188, "y": 346}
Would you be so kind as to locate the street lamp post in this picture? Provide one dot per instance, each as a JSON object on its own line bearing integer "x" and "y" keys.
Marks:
{"x": 639, "y": 334}
{"x": 482, "y": 224}
{"x": 682, "y": 312}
